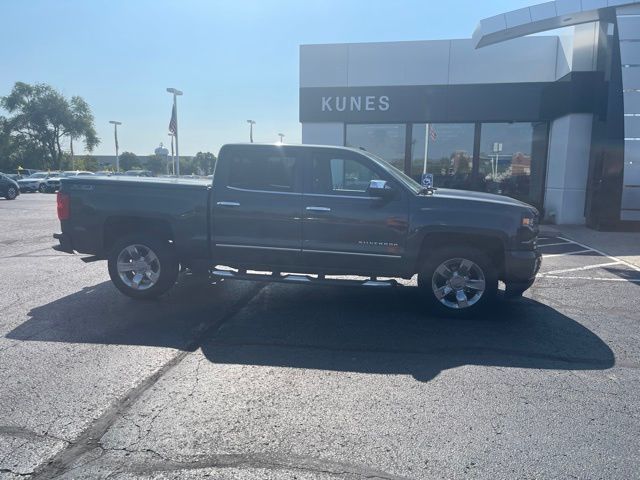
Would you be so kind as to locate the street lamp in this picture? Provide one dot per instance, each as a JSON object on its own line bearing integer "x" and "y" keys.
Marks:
{"x": 115, "y": 135}
{"x": 281, "y": 135}
{"x": 173, "y": 124}
{"x": 251, "y": 124}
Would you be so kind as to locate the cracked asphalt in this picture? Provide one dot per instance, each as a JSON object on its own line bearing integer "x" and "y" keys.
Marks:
{"x": 255, "y": 381}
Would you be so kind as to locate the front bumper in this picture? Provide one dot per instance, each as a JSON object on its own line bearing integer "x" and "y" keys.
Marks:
{"x": 521, "y": 268}
{"x": 65, "y": 243}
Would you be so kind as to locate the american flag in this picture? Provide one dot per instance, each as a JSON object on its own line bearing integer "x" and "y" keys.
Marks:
{"x": 432, "y": 134}
{"x": 173, "y": 123}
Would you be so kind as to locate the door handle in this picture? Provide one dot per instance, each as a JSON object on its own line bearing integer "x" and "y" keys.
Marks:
{"x": 228, "y": 204}
{"x": 318, "y": 209}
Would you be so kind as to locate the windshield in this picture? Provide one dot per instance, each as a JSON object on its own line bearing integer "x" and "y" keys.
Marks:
{"x": 37, "y": 175}
{"x": 406, "y": 180}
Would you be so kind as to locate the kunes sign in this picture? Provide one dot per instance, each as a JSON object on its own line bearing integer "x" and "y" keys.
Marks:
{"x": 355, "y": 103}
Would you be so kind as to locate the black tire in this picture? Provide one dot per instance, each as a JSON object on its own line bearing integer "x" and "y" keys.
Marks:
{"x": 12, "y": 193}
{"x": 42, "y": 188}
{"x": 167, "y": 264}
{"x": 483, "y": 269}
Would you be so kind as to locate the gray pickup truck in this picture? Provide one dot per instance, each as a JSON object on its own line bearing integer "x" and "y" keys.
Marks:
{"x": 316, "y": 211}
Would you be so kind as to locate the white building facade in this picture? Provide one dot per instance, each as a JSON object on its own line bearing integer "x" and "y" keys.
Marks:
{"x": 547, "y": 119}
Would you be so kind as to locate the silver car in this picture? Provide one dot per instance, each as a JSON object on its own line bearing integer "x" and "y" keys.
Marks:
{"x": 34, "y": 182}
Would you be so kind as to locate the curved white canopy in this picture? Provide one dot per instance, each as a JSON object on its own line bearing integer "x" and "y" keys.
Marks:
{"x": 542, "y": 17}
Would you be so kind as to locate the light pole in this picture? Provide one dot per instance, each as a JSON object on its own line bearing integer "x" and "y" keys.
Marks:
{"x": 251, "y": 124}
{"x": 281, "y": 135}
{"x": 173, "y": 124}
{"x": 115, "y": 135}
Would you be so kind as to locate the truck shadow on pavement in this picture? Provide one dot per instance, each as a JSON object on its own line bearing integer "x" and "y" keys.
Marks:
{"x": 326, "y": 328}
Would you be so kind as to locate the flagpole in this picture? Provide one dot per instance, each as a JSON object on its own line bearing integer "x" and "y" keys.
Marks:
{"x": 177, "y": 160}
{"x": 115, "y": 136}
{"x": 426, "y": 147}
{"x": 174, "y": 114}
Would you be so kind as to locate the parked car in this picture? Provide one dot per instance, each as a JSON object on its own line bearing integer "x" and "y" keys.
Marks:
{"x": 52, "y": 184}
{"x": 34, "y": 182}
{"x": 9, "y": 188}
{"x": 310, "y": 209}
{"x": 25, "y": 172}
{"x": 139, "y": 173}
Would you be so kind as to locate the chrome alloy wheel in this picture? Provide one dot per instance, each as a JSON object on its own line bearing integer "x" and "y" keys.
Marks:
{"x": 138, "y": 267}
{"x": 458, "y": 283}
{"x": 12, "y": 193}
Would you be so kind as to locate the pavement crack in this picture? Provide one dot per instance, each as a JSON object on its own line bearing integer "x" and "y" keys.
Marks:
{"x": 90, "y": 438}
{"x": 270, "y": 461}
{"x": 21, "y": 432}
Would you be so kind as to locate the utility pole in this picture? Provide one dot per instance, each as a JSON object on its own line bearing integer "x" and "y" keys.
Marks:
{"x": 281, "y": 135}
{"x": 251, "y": 124}
{"x": 115, "y": 135}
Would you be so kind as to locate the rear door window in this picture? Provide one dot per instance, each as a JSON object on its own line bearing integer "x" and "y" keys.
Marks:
{"x": 262, "y": 170}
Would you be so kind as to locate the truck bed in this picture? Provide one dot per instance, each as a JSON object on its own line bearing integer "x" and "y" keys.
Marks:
{"x": 102, "y": 206}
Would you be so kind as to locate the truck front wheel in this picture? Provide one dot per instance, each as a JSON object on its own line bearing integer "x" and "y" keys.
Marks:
{"x": 458, "y": 281}
{"x": 143, "y": 267}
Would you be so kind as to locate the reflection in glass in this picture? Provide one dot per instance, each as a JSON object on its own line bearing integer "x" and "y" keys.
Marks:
{"x": 385, "y": 140}
{"x": 507, "y": 159}
{"x": 449, "y": 153}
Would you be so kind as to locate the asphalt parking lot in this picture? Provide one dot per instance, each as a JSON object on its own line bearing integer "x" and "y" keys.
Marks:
{"x": 252, "y": 381}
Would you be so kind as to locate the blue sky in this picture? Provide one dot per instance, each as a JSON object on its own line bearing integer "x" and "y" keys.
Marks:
{"x": 233, "y": 59}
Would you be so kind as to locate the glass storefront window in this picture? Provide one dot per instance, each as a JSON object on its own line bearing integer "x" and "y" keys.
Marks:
{"x": 449, "y": 153}
{"x": 385, "y": 140}
{"x": 511, "y": 160}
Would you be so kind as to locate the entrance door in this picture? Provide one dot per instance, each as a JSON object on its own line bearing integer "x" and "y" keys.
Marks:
{"x": 257, "y": 214}
{"x": 344, "y": 228}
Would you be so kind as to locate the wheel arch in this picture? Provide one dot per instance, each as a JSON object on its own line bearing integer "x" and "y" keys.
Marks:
{"x": 490, "y": 243}
{"x": 117, "y": 227}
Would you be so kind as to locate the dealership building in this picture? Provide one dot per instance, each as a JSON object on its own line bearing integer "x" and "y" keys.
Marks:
{"x": 553, "y": 120}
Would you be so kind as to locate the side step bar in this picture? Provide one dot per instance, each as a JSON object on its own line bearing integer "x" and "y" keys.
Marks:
{"x": 302, "y": 279}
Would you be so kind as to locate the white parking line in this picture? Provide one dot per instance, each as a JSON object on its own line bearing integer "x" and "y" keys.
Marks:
{"x": 571, "y": 253}
{"x": 554, "y": 244}
{"x": 630, "y": 265}
{"x": 577, "y": 269}
{"x": 599, "y": 279}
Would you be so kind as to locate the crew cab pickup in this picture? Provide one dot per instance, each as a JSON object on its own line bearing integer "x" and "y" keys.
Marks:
{"x": 319, "y": 212}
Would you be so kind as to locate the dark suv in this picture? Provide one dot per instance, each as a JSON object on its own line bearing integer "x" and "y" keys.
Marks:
{"x": 8, "y": 187}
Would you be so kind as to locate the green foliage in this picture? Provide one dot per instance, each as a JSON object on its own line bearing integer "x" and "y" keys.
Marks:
{"x": 157, "y": 164}
{"x": 85, "y": 162}
{"x": 204, "y": 163}
{"x": 129, "y": 161}
{"x": 40, "y": 119}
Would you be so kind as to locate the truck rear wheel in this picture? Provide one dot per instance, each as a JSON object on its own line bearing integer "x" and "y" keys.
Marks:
{"x": 142, "y": 267}
{"x": 458, "y": 281}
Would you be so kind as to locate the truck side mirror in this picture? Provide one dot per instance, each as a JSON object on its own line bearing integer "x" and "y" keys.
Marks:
{"x": 380, "y": 188}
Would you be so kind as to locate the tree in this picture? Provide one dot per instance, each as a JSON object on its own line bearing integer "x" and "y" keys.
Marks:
{"x": 85, "y": 162}
{"x": 157, "y": 164}
{"x": 17, "y": 150}
{"x": 43, "y": 117}
{"x": 129, "y": 161}
{"x": 205, "y": 162}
